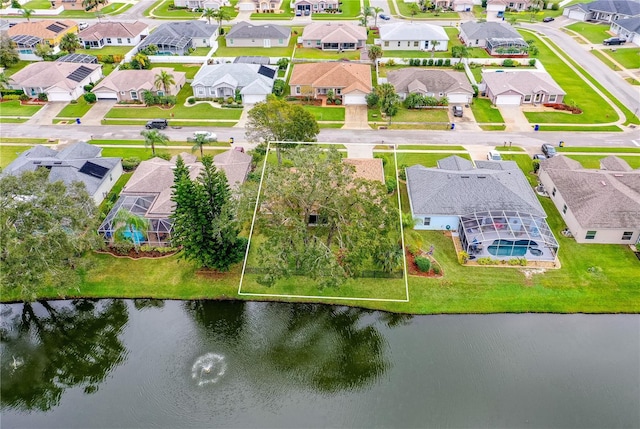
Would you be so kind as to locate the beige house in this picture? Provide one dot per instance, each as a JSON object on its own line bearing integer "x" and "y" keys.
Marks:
{"x": 76, "y": 5}
{"x": 453, "y": 85}
{"x": 244, "y": 34}
{"x": 350, "y": 82}
{"x": 307, "y": 7}
{"x": 344, "y": 36}
{"x": 113, "y": 34}
{"x": 520, "y": 87}
{"x": 598, "y": 206}
{"x": 130, "y": 85}
{"x": 60, "y": 81}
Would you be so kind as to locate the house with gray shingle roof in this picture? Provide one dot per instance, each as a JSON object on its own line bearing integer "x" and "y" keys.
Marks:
{"x": 244, "y": 34}
{"x": 254, "y": 81}
{"x": 492, "y": 208}
{"x": 628, "y": 29}
{"x": 432, "y": 83}
{"x": 597, "y": 205}
{"x": 176, "y": 38}
{"x": 520, "y": 87}
{"x": 603, "y": 10}
{"x": 79, "y": 162}
{"x": 498, "y": 38}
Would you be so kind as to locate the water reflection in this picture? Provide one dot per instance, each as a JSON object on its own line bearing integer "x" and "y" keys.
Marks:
{"x": 50, "y": 347}
{"x": 322, "y": 348}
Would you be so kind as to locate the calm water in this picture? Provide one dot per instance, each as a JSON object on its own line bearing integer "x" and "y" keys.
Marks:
{"x": 113, "y": 363}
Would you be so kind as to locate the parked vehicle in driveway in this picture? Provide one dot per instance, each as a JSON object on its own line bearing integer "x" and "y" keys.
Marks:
{"x": 384, "y": 17}
{"x": 613, "y": 41}
{"x": 159, "y": 124}
{"x": 539, "y": 156}
{"x": 494, "y": 155}
{"x": 457, "y": 111}
{"x": 548, "y": 19}
{"x": 549, "y": 150}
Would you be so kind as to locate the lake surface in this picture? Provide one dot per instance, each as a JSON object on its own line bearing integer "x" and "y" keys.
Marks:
{"x": 172, "y": 364}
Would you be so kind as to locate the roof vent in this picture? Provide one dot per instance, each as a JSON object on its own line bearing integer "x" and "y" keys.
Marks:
{"x": 482, "y": 177}
{"x": 603, "y": 183}
{"x": 618, "y": 175}
{"x": 465, "y": 177}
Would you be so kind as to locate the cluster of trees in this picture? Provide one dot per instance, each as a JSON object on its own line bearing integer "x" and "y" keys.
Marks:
{"x": 8, "y": 52}
{"x": 414, "y": 100}
{"x": 386, "y": 98}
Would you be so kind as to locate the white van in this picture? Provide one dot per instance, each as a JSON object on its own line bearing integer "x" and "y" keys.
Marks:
{"x": 207, "y": 134}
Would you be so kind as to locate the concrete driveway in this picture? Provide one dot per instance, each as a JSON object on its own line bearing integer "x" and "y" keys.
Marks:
{"x": 95, "y": 115}
{"x": 355, "y": 117}
{"x": 45, "y": 115}
{"x": 467, "y": 122}
{"x": 514, "y": 119}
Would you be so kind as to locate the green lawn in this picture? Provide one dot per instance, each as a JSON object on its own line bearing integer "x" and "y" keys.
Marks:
{"x": 484, "y": 112}
{"x": 107, "y": 50}
{"x": 14, "y": 108}
{"x": 595, "y": 33}
{"x": 326, "y": 113}
{"x": 226, "y": 51}
{"x": 162, "y": 11}
{"x": 350, "y": 10}
{"x": 428, "y": 147}
{"x": 111, "y": 9}
{"x": 421, "y": 115}
{"x": 189, "y": 69}
{"x": 605, "y": 59}
{"x": 11, "y": 120}
{"x": 403, "y": 9}
{"x": 607, "y": 128}
{"x": 493, "y": 127}
{"x": 172, "y": 123}
{"x": 317, "y": 54}
{"x": 9, "y": 153}
{"x": 628, "y": 57}
{"x": 595, "y": 109}
{"x": 201, "y": 51}
{"x": 76, "y": 110}
{"x": 37, "y": 4}
{"x": 599, "y": 149}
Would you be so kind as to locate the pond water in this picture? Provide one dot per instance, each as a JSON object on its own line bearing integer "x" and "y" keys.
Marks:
{"x": 172, "y": 364}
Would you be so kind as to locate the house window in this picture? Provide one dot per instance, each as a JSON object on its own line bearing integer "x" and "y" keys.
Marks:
{"x": 204, "y": 42}
{"x": 627, "y": 235}
{"x": 253, "y": 40}
{"x": 590, "y": 235}
{"x": 160, "y": 93}
{"x": 398, "y": 44}
{"x": 564, "y": 209}
{"x": 427, "y": 221}
{"x": 200, "y": 91}
{"x": 553, "y": 193}
{"x": 297, "y": 90}
{"x": 527, "y": 98}
{"x": 128, "y": 40}
{"x": 108, "y": 39}
{"x": 231, "y": 41}
{"x": 338, "y": 91}
{"x": 119, "y": 41}
{"x": 416, "y": 44}
{"x": 552, "y": 98}
{"x": 511, "y": 5}
{"x": 477, "y": 41}
{"x": 280, "y": 41}
{"x": 318, "y": 43}
{"x": 134, "y": 95}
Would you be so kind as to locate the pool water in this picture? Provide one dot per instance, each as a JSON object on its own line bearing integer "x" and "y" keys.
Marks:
{"x": 510, "y": 247}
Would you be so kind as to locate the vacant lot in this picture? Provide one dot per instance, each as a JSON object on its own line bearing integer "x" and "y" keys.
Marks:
{"x": 595, "y": 33}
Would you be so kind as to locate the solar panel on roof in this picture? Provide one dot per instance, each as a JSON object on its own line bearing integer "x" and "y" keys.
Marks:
{"x": 56, "y": 28}
{"x": 266, "y": 71}
{"x": 79, "y": 74}
{"x": 94, "y": 170}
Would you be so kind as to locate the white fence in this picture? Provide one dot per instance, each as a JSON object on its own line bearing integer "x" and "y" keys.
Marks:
{"x": 36, "y": 12}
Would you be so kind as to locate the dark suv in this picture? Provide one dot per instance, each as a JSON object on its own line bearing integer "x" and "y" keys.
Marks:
{"x": 613, "y": 41}
{"x": 160, "y": 124}
{"x": 549, "y": 150}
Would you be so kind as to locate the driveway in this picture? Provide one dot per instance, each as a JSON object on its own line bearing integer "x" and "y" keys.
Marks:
{"x": 467, "y": 122}
{"x": 95, "y": 115}
{"x": 45, "y": 115}
{"x": 355, "y": 117}
{"x": 514, "y": 119}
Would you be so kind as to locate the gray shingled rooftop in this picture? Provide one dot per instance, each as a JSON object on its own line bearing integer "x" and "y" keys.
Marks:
{"x": 488, "y": 30}
{"x": 244, "y": 30}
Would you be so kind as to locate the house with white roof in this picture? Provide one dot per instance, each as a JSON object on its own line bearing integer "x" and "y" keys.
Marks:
{"x": 176, "y": 38}
{"x": 254, "y": 81}
{"x": 498, "y": 38}
{"x": 413, "y": 36}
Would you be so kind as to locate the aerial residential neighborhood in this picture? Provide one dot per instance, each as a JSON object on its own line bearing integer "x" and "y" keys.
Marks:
{"x": 276, "y": 213}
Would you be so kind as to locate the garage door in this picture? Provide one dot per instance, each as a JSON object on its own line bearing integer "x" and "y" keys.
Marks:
{"x": 252, "y": 98}
{"x": 106, "y": 95}
{"x": 355, "y": 99}
{"x": 508, "y": 100}
{"x": 576, "y": 14}
{"x": 458, "y": 98}
{"x": 495, "y": 7}
{"x": 59, "y": 96}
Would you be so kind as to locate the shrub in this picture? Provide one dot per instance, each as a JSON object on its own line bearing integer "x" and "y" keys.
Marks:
{"x": 12, "y": 97}
{"x": 391, "y": 62}
{"x": 23, "y": 97}
{"x": 425, "y": 62}
{"x": 430, "y": 62}
{"x": 191, "y": 100}
{"x": 532, "y": 62}
{"x": 508, "y": 63}
{"x": 412, "y": 247}
{"x": 424, "y": 264}
{"x": 475, "y": 90}
{"x": 555, "y": 6}
{"x": 536, "y": 165}
{"x": 43, "y": 97}
{"x": 485, "y": 261}
{"x": 391, "y": 184}
{"x": 108, "y": 59}
{"x": 338, "y": 102}
{"x": 436, "y": 269}
{"x": 372, "y": 99}
{"x": 447, "y": 62}
{"x": 439, "y": 62}
{"x": 88, "y": 88}
{"x": 122, "y": 247}
{"x": 7, "y": 91}
{"x": 458, "y": 66}
{"x": 130, "y": 164}
{"x": 463, "y": 257}
{"x": 90, "y": 97}
{"x": 402, "y": 173}
{"x": 164, "y": 155}
{"x": 279, "y": 87}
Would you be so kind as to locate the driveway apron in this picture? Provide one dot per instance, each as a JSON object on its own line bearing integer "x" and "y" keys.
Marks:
{"x": 355, "y": 118}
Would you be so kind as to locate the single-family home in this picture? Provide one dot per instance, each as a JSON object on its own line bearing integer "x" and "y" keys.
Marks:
{"x": 148, "y": 194}
{"x": 130, "y": 85}
{"x": 60, "y": 81}
{"x": 27, "y": 35}
{"x": 236, "y": 166}
{"x": 413, "y": 36}
{"x": 329, "y": 36}
{"x": 78, "y": 162}
{"x": 307, "y": 7}
{"x": 628, "y": 29}
{"x": 244, "y": 34}
{"x": 498, "y": 38}
{"x": 349, "y": 82}
{"x": 462, "y": 5}
{"x": 521, "y": 87}
{"x": 491, "y": 208}
{"x": 503, "y": 5}
{"x": 176, "y": 38}
{"x": 603, "y": 10}
{"x": 78, "y": 5}
{"x": 201, "y": 4}
{"x": 260, "y": 6}
{"x": 597, "y": 205}
{"x": 113, "y": 33}
{"x": 254, "y": 81}
{"x": 453, "y": 85}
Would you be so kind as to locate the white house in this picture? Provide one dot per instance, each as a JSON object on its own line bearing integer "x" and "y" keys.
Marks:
{"x": 254, "y": 81}
{"x": 413, "y": 36}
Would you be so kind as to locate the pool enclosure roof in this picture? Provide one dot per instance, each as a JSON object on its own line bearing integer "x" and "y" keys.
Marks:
{"x": 165, "y": 40}
{"x": 499, "y": 42}
{"x": 509, "y": 225}
{"x": 138, "y": 205}
{"x": 26, "y": 40}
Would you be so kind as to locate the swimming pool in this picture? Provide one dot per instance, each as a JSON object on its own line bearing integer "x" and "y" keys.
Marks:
{"x": 510, "y": 247}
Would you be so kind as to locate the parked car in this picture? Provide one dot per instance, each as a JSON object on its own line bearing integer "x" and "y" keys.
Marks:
{"x": 539, "y": 156}
{"x": 494, "y": 155}
{"x": 82, "y": 25}
{"x": 549, "y": 150}
{"x": 159, "y": 124}
{"x": 207, "y": 134}
{"x": 548, "y": 19}
{"x": 457, "y": 111}
{"x": 298, "y": 12}
{"x": 307, "y": 12}
{"x": 384, "y": 17}
{"x": 613, "y": 41}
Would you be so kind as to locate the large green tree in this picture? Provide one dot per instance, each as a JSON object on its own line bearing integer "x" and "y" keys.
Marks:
{"x": 388, "y": 99}
{"x": 44, "y": 228}
{"x": 203, "y": 221}
{"x": 277, "y": 120}
{"x": 8, "y": 52}
{"x": 321, "y": 221}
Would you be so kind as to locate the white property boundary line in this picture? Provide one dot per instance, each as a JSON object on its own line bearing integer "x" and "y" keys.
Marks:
{"x": 345, "y": 298}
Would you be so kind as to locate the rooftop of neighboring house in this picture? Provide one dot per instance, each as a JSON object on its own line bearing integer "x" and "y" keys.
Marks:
{"x": 408, "y": 80}
{"x": 235, "y": 164}
{"x": 78, "y": 162}
{"x": 488, "y": 30}
{"x": 348, "y": 76}
{"x": 245, "y": 30}
{"x": 114, "y": 29}
{"x": 623, "y": 7}
{"x": 127, "y": 80}
{"x": 630, "y": 24}
{"x": 43, "y": 29}
{"x": 523, "y": 82}
{"x": 334, "y": 32}
{"x": 53, "y": 74}
{"x": 412, "y": 31}
{"x": 604, "y": 198}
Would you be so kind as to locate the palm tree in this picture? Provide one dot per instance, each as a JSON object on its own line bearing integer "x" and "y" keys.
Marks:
{"x": 164, "y": 80}
{"x": 209, "y": 13}
{"x": 128, "y": 226}
{"x": 140, "y": 60}
{"x": 374, "y": 53}
{"x": 200, "y": 140}
{"x": 414, "y": 9}
{"x": 434, "y": 43}
{"x": 460, "y": 51}
{"x": 99, "y": 15}
{"x": 70, "y": 43}
{"x": 152, "y": 138}
{"x": 222, "y": 14}
{"x": 366, "y": 13}
{"x": 376, "y": 11}
{"x": 27, "y": 13}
